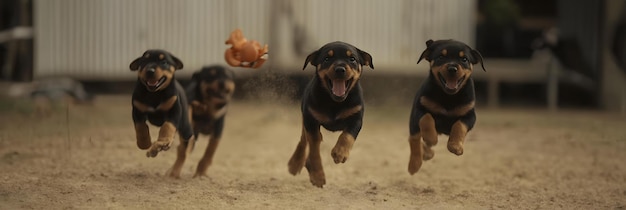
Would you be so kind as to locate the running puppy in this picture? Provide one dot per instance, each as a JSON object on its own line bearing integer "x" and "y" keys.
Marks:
{"x": 445, "y": 102}
{"x": 209, "y": 93}
{"x": 160, "y": 99}
{"x": 332, "y": 99}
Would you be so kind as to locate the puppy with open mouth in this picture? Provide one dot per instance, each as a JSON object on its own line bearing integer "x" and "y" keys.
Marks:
{"x": 159, "y": 99}
{"x": 333, "y": 99}
{"x": 445, "y": 102}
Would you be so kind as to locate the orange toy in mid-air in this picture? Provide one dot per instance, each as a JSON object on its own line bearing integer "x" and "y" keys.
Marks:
{"x": 244, "y": 53}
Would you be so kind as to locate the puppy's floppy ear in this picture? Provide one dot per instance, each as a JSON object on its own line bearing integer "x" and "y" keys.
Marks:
{"x": 366, "y": 58}
{"x": 192, "y": 87}
{"x": 476, "y": 58}
{"x": 136, "y": 64}
{"x": 429, "y": 42}
{"x": 427, "y": 51}
{"x": 177, "y": 63}
{"x": 312, "y": 58}
{"x": 195, "y": 76}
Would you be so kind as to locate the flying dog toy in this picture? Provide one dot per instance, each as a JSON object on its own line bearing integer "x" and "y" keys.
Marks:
{"x": 244, "y": 53}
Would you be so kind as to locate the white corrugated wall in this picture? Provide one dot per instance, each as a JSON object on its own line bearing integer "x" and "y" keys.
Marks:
{"x": 97, "y": 39}
{"x": 394, "y": 32}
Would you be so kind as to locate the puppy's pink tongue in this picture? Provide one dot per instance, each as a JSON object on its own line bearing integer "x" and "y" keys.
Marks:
{"x": 152, "y": 83}
{"x": 339, "y": 87}
{"x": 451, "y": 84}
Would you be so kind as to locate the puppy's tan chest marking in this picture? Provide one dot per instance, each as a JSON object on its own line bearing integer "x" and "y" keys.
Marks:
{"x": 217, "y": 107}
{"x": 349, "y": 112}
{"x": 215, "y": 100}
{"x": 324, "y": 118}
{"x": 164, "y": 106}
{"x": 142, "y": 107}
{"x": 454, "y": 112}
{"x": 168, "y": 104}
{"x": 208, "y": 109}
{"x": 228, "y": 90}
{"x": 320, "y": 117}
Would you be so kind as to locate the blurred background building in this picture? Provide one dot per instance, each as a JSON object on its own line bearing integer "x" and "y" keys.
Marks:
{"x": 552, "y": 52}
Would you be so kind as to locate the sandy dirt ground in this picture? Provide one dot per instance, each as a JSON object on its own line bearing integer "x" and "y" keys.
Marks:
{"x": 84, "y": 157}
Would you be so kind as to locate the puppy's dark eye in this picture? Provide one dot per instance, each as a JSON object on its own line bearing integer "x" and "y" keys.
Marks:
{"x": 441, "y": 57}
{"x": 352, "y": 59}
{"x": 464, "y": 59}
{"x": 326, "y": 59}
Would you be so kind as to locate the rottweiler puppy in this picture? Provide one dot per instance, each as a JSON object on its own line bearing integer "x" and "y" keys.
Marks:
{"x": 445, "y": 102}
{"x": 209, "y": 92}
{"x": 161, "y": 100}
{"x": 332, "y": 99}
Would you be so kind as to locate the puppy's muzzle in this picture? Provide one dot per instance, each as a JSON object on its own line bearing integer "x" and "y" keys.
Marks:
{"x": 218, "y": 89}
{"x": 340, "y": 71}
{"x": 150, "y": 72}
{"x": 150, "y": 80}
{"x": 452, "y": 70}
{"x": 339, "y": 84}
{"x": 451, "y": 82}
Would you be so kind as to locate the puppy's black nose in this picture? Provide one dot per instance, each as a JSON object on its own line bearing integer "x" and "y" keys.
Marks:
{"x": 150, "y": 72}
{"x": 221, "y": 85}
{"x": 340, "y": 71}
{"x": 452, "y": 69}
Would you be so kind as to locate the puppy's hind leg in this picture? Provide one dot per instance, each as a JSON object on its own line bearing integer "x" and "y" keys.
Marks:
{"x": 314, "y": 161}
{"x": 297, "y": 160}
{"x": 207, "y": 158}
{"x": 415, "y": 160}
{"x": 181, "y": 155}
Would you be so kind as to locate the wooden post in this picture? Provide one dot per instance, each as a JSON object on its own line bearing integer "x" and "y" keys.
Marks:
{"x": 552, "y": 89}
{"x": 19, "y": 63}
{"x": 613, "y": 79}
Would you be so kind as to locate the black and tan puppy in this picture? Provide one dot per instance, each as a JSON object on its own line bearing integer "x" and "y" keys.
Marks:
{"x": 332, "y": 99}
{"x": 445, "y": 102}
{"x": 209, "y": 92}
{"x": 161, "y": 100}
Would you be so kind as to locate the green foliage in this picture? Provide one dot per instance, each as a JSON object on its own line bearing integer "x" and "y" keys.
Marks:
{"x": 502, "y": 12}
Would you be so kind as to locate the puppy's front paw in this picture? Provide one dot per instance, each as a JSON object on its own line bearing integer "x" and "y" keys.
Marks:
{"x": 340, "y": 154}
{"x": 159, "y": 145}
{"x": 455, "y": 147}
{"x": 341, "y": 151}
{"x": 428, "y": 153}
{"x": 318, "y": 179}
{"x": 143, "y": 141}
{"x": 143, "y": 136}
